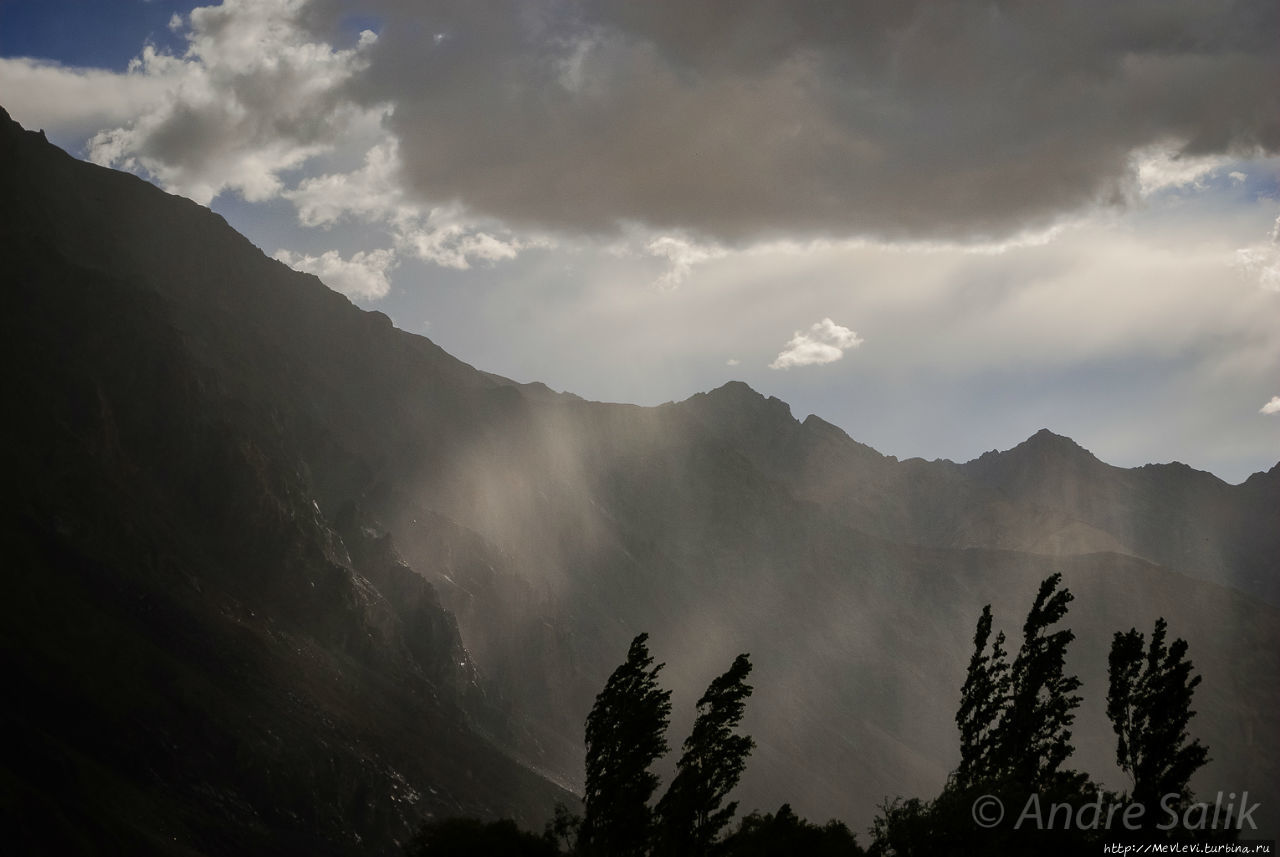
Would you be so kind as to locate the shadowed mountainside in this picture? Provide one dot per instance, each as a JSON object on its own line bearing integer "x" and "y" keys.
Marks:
{"x": 198, "y": 659}
{"x": 245, "y": 515}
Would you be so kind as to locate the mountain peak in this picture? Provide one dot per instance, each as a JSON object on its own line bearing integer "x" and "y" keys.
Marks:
{"x": 736, "y": 402}
{"x": 1047, "y": 436}
{"x": 735, "y": 390}
{"x": 1045, "y": 442}
{"x": 1044, "y": 446}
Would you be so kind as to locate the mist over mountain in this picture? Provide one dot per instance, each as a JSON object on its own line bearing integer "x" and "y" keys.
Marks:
{"x": 283, "y": 576}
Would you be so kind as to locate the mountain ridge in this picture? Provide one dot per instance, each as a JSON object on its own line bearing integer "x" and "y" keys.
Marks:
{"x": 1046, "y": 471}
{"x": 362, "y": 492}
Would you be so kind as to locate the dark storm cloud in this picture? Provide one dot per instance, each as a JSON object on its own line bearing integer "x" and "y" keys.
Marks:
{"x": 780, "y": 117}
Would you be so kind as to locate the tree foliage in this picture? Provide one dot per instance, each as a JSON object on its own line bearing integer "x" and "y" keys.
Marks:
{"x": 1034, "y": 735}
{"x": 625, "y": 734}
{"x": 983, "y": 698}
{"x": 785, "y": 833}
{"x": 692, "y": 812}
{"x": 563, "y": 828}
{"x": 1149, "y": 705}
{"x": 1014, "y": 721}
{"x": 470, "y": 837}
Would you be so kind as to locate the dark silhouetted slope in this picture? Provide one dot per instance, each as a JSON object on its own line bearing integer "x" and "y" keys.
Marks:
{"x": 199, "y": 659}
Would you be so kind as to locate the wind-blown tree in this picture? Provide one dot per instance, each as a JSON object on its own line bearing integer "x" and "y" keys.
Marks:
{"x": 692, "y": 812}
{"x": 1034, "y": 736}
{"x": 983, "y": 699}
{"x": 1149, "y": 704}
{"x": 625, "y": 734}
{"x": 1014, "y": 724}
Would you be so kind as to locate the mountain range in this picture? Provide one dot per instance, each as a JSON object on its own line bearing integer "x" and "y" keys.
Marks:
{"x": 284, "y": 577}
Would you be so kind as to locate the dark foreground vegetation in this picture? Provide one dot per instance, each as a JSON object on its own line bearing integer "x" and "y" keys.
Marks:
{"x": 1012, "y": 792}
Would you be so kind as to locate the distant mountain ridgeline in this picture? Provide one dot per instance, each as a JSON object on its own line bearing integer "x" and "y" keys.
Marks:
{"x": 284, "y": 575}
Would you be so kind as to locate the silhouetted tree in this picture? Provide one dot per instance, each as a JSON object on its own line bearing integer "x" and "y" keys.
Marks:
{"x": 691, "y": 814}
{"x": 785, "y": 834}
{"x": 625, "y": 734}
{"x": 1149, "y": 704}
{"x": 1034, "y": 737}
{"x": 941, "y": 827}
{"x": 563, "y": 828}
{"x": 470, "y": 837}
{"x": 983, "y": 700}
{"x": 1014, "y": 737}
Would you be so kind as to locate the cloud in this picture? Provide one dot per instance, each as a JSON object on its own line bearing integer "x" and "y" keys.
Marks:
{"x": 256, "y": 95}
{"x": 1271, "y": 407}
{"x": 370, "y": 193}
{"x": 1165, "y": 167}
{"x": 695, "y": 128}
{"x": 364, "y": 275}
{"x": 824, "y": 342}
{"x": 374, "y": 193}
{"x": 1263, "y": 260}
{"x": 253, "y": 96}
{"x": 738, "y": 122}
{"x": 457, "y": 244}
{"x": 75, "y": 102}
{"x": 681, "y": 255}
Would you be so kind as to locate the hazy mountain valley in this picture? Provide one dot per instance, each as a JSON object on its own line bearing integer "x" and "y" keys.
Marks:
{"x": 283, "y": 576}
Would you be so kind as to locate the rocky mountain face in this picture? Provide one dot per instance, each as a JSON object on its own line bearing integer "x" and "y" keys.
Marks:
{"x": 208, "y": 651}
{"x": 721, "y": 524}
{"x": 284, "y": 576}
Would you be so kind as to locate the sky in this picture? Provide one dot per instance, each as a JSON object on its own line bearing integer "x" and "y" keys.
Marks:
{"x": 941, "y": 226}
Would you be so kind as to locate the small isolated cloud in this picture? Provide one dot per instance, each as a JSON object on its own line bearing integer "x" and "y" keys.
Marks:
{"x": 732, "y": 361}
{"x": 1271, "y": 407}
{"x": 364, "y": 275}
{"x": 824, "y": 342}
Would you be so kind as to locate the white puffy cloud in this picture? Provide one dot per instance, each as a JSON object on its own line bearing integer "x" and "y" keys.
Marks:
{"x": 457, "y": 244}
{"x": 364, "y": 275}
{"x": 1271, "y": 407}
{"x": 74, "y": 101}
{"x": 374, "y": 193}
{"x": 253, "y": 95}
{"x": 370, "y": 193}
{"x": 824, "y": 342}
